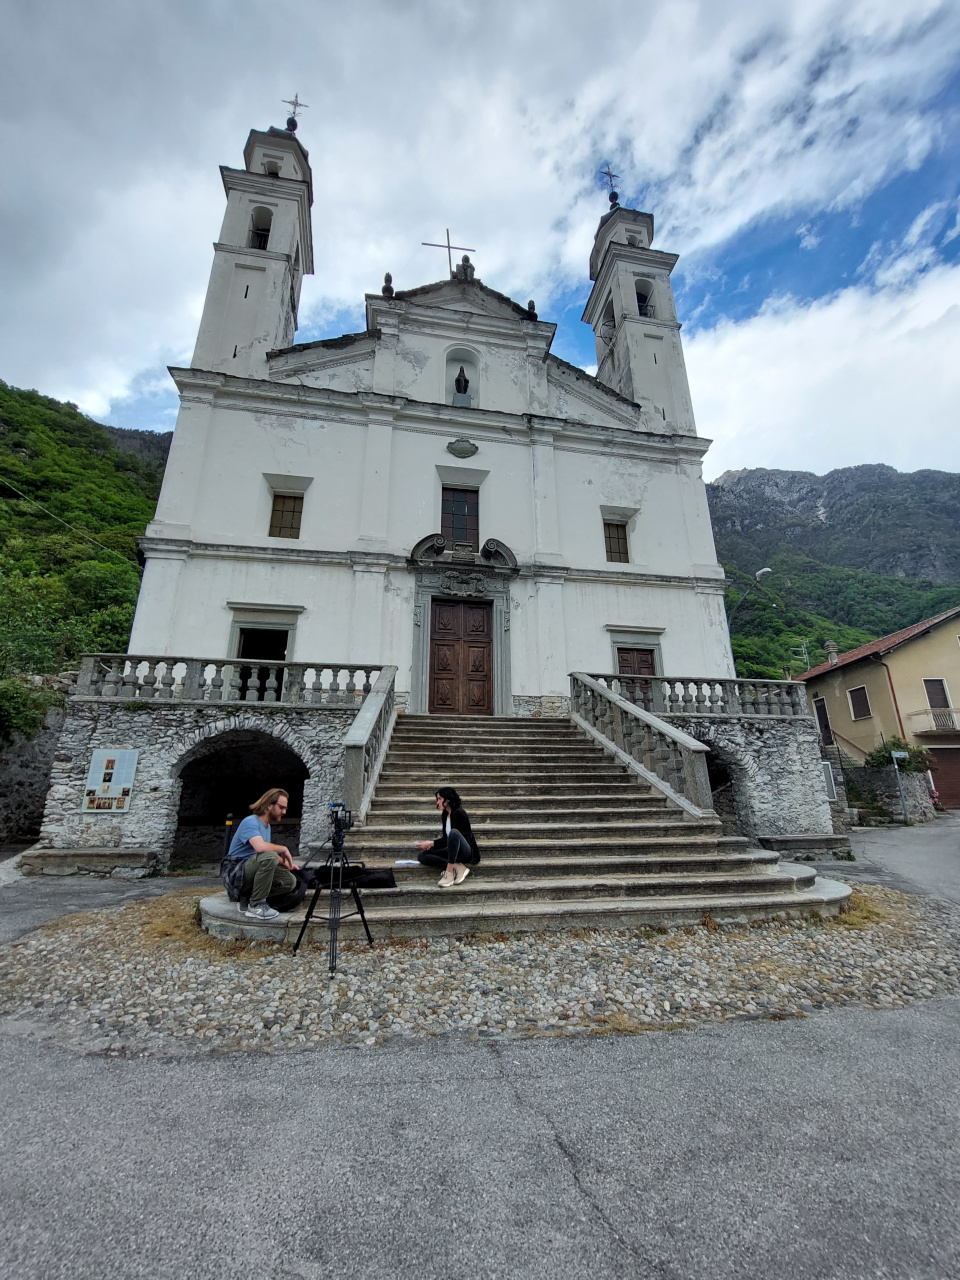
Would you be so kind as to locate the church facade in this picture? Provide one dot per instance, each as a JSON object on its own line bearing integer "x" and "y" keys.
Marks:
{"x": 438, "y": 492}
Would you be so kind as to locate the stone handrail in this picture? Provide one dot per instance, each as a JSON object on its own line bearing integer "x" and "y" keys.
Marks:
{"x": 669, "y": 759}
{"x": 703, "y": 696}
{"x": 131, "y": 677}
{"x": 366, "y": 744}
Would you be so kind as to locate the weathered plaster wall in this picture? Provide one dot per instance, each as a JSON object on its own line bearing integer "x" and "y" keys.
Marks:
{"x": 774, "y": 766}
{"x": 168, "y": 736}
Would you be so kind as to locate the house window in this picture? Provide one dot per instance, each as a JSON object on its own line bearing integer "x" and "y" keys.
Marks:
{"x": 937, "y": 696}
{"x": 460, "y": 516}
{"x": 286, "y": 515}
{"x": 859, "y": 703}
{"x": 615, "y": 541}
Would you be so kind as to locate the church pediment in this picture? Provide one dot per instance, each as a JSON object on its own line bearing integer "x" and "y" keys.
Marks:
{"x": 575, "y": 394}
{"x": 336, "y": 364}
{"x": 471, "y": 296}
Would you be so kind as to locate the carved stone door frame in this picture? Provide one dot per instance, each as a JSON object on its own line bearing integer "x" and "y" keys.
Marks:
{"x": 461, "y": 584}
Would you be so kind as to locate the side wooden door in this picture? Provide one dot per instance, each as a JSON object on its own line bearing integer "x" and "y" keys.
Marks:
{"x": 633, "y": 667}
{"x": 461, "y": 658}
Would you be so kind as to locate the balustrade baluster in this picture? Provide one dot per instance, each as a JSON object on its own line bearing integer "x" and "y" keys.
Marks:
{"x": 688, "y": 698}
{"x": 334, "y": 686}
{"x": 112, "y": 679}
{"x": 253, "y": 686}
{"x": 367, "y": 686}
{"x": 130, "y": 687}
{"x": 351, "y": 687}
{"x": 166, "y": 682}
{"x": 717, "y": 701}
{"x": 216, "y": 683}
{"x": 746, "y": 699}
{"x": 702, "y": 691}
{"x": 149, "y": 680}
{"x": 270, "y": 687}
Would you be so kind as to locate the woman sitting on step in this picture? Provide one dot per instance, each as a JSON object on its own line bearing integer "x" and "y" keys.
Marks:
{"x": 456, "y": 849}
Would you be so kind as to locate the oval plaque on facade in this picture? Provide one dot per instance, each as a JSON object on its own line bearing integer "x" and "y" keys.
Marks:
{"x": 462, "y": 447}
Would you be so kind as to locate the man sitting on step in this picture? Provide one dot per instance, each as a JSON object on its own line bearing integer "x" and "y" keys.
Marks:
{"x": 254, "y": 869}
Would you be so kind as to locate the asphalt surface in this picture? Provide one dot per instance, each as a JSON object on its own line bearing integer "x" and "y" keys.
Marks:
{"x": 821, "y": 1147}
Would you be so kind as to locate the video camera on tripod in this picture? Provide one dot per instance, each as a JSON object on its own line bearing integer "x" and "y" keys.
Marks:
{"x": 339, "y": 875}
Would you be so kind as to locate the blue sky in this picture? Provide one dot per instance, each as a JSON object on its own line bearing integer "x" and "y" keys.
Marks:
{"x": 802, "y": 160}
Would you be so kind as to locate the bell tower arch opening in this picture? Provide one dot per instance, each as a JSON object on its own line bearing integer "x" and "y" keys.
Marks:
{"x": 226, "y": 774}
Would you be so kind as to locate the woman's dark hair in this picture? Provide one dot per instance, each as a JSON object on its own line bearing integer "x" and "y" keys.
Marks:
{"x": 452, "y": 798}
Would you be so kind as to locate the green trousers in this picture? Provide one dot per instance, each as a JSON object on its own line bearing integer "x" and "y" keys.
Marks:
{"x": 263, "y": 876}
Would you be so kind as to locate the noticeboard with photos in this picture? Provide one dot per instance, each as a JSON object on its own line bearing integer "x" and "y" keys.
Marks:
{"x": 110, "y": 782}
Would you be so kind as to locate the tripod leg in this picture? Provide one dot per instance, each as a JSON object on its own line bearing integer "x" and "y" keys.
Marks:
{"x": 357, "y": 899}
{"x": 335, "y": 903}
{"x": 306, "y": 918}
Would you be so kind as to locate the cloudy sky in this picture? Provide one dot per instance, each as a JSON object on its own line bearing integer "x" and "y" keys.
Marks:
{"x": 800, "y": 155}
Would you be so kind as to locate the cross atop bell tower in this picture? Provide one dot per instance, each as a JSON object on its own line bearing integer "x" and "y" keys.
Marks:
{"x": 634, "y": 319}
{"x": 264, "y": 250}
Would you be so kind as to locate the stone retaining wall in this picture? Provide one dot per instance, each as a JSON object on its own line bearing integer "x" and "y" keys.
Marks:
{"x": 25, "y": 765}
{"x": 774, "y": 767}
{"x": 882, "y": 784}
{"x": 168, "y": 736}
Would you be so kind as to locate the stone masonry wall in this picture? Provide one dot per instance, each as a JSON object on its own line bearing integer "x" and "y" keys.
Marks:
{"x": 25, "y": 765}
{"x": 774, "y": 766}
{"x": 168, "y": 736}
{"x": 536, "y": 706}
{"x": 882, "y": 783}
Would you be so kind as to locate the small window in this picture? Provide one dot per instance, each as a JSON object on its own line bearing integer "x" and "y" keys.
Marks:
{"x": 286, "y": 516}
{"x": 859, "y": 703}
{"x": 615, "y": 541}
{"x": 460, "y": 517}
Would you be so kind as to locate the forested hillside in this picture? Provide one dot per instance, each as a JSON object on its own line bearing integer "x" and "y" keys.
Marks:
{"x": 856, "y": 553}
{"x": 69, "y": 573}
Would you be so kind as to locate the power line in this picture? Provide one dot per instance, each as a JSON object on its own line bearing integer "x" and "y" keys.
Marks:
{"x": 79, "y": 532}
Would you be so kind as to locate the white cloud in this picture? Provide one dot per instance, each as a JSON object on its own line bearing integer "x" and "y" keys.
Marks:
{"x": 868, "y": 375}
{"x": 490, "y": 119}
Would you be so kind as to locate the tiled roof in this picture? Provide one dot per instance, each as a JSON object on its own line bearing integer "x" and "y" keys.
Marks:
{"x": 883, "y": 645}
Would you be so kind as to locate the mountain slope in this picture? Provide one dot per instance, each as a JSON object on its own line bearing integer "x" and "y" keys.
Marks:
{"x": 69, "y": 573}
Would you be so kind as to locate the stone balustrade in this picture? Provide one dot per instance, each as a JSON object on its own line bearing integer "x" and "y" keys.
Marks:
{"x": 700, "y": 696}
{"x": 130, "y": 677}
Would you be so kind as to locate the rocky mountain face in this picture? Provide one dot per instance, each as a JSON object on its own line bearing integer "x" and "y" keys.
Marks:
{"x": 152, "y": 446}
{"x": 873, "y": 517}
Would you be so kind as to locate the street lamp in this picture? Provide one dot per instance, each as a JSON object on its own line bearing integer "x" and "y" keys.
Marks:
{"x": 761, "y": 573}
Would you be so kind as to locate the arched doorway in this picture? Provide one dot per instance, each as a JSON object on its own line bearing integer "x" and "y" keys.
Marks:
{"x": 225, "y": 775}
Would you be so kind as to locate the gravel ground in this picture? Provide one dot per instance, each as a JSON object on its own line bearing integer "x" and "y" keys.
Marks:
{"x": 144, "y": 979}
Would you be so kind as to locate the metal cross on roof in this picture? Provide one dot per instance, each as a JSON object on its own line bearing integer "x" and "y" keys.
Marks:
{"x": 611, "y": 178}
{"x": 295, "y": 105}
{"x": 461, "y": 248}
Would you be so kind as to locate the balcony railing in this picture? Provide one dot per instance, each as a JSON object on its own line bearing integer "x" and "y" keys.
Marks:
{"x": 698, "y": 696}
{"x": 130, "y": 677}
{"x": 934, "y": 720}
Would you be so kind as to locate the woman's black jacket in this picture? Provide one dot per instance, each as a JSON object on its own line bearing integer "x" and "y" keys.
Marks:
{"x": 458, "y": 822}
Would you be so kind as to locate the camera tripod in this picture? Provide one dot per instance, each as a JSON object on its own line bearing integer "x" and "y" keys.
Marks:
{"x": 336, "y": 874}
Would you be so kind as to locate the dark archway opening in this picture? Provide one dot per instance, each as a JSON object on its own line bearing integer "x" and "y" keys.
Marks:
{"x": 226, "y": 775}
{"x": 722, "y": 787}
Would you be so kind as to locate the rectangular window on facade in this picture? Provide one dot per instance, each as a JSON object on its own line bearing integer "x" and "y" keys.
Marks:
{"x": 460, "y": 517}
{"x": 936, "y": 693}
{"x": 859, "y": 703}
{"x": 615, "y": 541}
{"x": 286, "y": 515}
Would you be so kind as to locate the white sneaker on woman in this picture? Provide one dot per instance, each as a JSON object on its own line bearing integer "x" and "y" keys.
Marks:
{"x": 446, "y": 880}
{"x": 461, "y": 873}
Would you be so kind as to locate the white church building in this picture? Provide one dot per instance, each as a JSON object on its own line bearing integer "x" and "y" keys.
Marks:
{"x": 438, "y": 492}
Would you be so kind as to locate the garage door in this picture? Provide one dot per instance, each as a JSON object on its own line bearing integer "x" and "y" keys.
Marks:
{"x": 946, "y": 775}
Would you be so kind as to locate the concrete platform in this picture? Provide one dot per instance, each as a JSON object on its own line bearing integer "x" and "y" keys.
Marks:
{"x": 121, "y": 864}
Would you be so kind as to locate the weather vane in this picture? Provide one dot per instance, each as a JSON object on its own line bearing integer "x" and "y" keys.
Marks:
{"x": 612, "y": 178}
{"x": 295, "y": 105}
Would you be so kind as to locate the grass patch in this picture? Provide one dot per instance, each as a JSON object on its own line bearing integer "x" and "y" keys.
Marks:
{"x": 861, "y": 912}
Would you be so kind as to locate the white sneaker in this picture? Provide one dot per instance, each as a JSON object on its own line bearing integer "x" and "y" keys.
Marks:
{"x": 261, "y": 912}
{"x": 461, "y": 873}
{"x": 446, "y": 880}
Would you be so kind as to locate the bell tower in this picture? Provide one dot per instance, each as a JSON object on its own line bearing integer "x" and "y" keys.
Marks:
{"x": 634, "y": 319}
{"x": 264, "y": 251}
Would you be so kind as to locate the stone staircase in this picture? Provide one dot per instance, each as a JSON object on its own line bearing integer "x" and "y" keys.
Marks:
{"x": 567, "y": 837}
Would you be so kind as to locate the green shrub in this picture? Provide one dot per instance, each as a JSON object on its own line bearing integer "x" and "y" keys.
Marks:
{"x": 918, "y": 760}
{"x": 22, "y": 708}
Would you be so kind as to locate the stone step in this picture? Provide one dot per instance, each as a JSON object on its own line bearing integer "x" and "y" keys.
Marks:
{"x": 413, "y": 809}
{"x": 493, "y": 772}
{"x": 713, "y": 862}
{"x": 361, "y": 846}
{"x": 570, "y": 832}
{"x": 572, "y": 754}
{"x": 447, "y": 915}
{"x": 597, "y": 792}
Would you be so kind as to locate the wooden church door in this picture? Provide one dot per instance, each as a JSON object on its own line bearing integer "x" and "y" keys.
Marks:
{"x": 638, "y": 664}
{"x": 461, "y": 658}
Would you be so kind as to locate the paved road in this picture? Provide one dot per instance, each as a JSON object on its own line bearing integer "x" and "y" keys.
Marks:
{"x": 824, "y": 1147}
{"x": 927, "y": 856}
